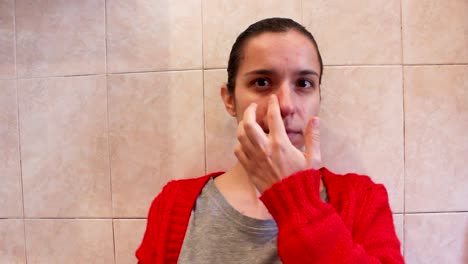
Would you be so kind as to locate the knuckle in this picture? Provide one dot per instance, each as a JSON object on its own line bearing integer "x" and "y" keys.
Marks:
{"x": 276, "y": 145}
{"x": 240, "y": 133}
{"x": 238, "y": 150}
{"x": 240, "y": 136}
{"x": 316, "y": 135}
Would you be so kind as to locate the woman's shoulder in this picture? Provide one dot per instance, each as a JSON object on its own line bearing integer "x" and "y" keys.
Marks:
{"x": 182, "y": 189}
{"x": 188, "y": 183}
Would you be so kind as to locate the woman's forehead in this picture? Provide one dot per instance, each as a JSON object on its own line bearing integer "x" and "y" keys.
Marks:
{"x": 286, "y": 50}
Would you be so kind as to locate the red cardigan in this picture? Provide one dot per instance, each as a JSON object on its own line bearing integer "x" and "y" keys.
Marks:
{"x": 356, "y": 226}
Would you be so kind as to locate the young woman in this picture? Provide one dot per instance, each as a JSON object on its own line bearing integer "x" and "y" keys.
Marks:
{"x": 277, "y": 204}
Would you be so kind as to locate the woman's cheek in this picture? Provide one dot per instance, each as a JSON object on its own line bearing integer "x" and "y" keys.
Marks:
{"x": 262, "y": 119}
{"x": 310, "y": 112}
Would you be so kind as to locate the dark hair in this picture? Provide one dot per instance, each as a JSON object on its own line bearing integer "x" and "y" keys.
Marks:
{"x": 275, "y": 25}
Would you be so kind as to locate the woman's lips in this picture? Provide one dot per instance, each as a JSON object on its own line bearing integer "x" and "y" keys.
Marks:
{"x": 267, "y": 131}
{"x": 294, "y": 135}
{"x": 293, "y": 131}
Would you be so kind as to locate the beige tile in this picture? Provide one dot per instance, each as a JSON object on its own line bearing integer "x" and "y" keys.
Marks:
{"x": 436, "y": 118}
{"x": 224, "y": 20}
{"x": 12, "y": 246}
{"x": 11, "y": 201}
{"x": 220, "y": 127}
{"x": 59, "y": 37}
{"x": 69, "y": 241}
{"x": 7, "y": 38}
{"x": 146, "y": 35}
{"x": 64, "y": 147}
{"x": 156, "y": 134}
{"x": 356, "y": 31}
{"x": 399, "y": 228}
{"x": 362, "y": 125}
{"x": 436, "y": 238}
{"x": 128, "y": 234}
{"x": 435, "y": 31}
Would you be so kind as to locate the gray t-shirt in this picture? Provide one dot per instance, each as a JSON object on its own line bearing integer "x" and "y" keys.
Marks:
{"x": 218, "y": 233}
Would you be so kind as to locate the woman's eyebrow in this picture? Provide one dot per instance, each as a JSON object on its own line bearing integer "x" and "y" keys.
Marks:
{"x": 307, "y": 72}
{"x": 261, "y": 72}
{"x": 272, "y": 72}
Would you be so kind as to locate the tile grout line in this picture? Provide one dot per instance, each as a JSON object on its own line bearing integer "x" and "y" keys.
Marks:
{"x": 107, "y": 130}
{"x": 210, "y": 69}
{"x": 404, "y": 124}
{"x": 21, "y": 167}
{"x": 435, "y": 212}
{"x": 113, "y": 235}
{"x": 203, "y": 85}
{"x": 61, "y": 76}
{"x": 19, "y": 130}
{"x": 396, "y": 64}
{"x": 144, "y": 218}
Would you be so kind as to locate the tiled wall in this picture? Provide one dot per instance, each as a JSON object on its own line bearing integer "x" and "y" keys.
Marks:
{"x": 102, "y": 102}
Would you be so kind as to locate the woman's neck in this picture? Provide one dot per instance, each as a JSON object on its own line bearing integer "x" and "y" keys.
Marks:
{"x": 237, "y": 188}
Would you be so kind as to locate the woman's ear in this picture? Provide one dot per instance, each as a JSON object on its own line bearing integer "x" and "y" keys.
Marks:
{"x": 228, "y": 100}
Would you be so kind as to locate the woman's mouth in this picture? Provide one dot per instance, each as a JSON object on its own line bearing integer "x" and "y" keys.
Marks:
{"x": 293, "y": 135}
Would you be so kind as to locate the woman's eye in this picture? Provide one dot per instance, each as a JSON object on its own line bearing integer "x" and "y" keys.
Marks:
{"x": 262, "y": 83}
{"x": 304, "y": 83}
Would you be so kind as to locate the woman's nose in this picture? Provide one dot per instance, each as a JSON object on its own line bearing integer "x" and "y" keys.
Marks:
{"x": 285, "y": 99}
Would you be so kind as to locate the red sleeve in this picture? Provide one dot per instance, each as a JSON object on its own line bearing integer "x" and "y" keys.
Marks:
{"x": 311, "y": 231}
{"x": 146, "y": 253}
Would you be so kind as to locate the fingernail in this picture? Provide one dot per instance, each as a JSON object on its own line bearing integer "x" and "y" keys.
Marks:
{"x": 316, "y": 122}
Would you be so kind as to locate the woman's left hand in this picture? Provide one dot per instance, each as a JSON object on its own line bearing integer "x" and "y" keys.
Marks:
{"x": 269, "y": 158}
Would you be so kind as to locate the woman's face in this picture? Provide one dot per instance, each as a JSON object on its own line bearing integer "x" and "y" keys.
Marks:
{"x": 285, "y": 64}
